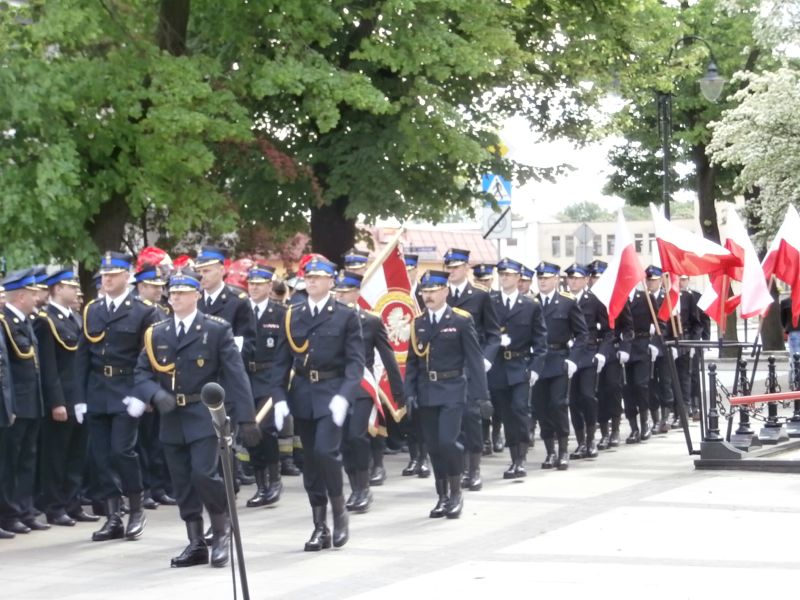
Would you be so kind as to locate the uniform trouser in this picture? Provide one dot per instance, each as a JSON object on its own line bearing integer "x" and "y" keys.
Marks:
{"x": 151, "y": 455}
{"x": 412, "y": 426}
{"x": 582, "y": 400}
{"x": 609, "y": 392}
{"x": 636, "y": 392}
{"x": 266, "y": 452}
{"x": 683, "y": 364}
{"x": 356, "y": 444}
{"x": 661, "y": 385}
{"x": 195, "y": 477}
{"x": 61, "y": 464}
{"x": 322, "y": 461}
{"x": 18, "y": 469}
{"x": 113, "y": 443}
{"x": 472, "y": 426}
{"x": 551, "y": 406}
{"x": 696, "y": 389}
{"x": 512, "y": 404}
{"x": 441, "y": 426}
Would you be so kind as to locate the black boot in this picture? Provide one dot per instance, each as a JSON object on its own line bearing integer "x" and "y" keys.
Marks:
{"x": 613, "y": 440}
{"x": 351, "y": 477}
{"x": 497, "y": 438}
{"x": 486, "y": 426}
{"x": 441, "y": 490}
{"x": 136, "y": 520}
{"x": 288, "y": 468}
{"x": 454, "y": 504}
{"x": 605, "y": 439}
{"x": 580, "y": 451}
{"x": 635, "y": 435}
{"x": 656, "y": 414}
{"x": 646, "y": 432}
{"x": 341, "y": 531}
{"x": 241, "y": 477}
{"x": 149, "y": 502}
{"x": 112, "y": 529}
{"x": 220, "y": 545}
{"x": 522, "y": 451}
{"x": 511, "y": 472}
{"x": 363, "y": 497}
{"x": 423, "y": 470}
{"x": 413, "y": 452}
{"x": 563, "y": 454}
{"x": 259, "y": 498}
{"x": 550, "y": 451}
{"x": 6, "y": 535}
{"x": 275, "y": 487}
{"x": 378, "y": 474}
{"x": 196, "y": 553}
{"x": 321, "y": 536}
{"x": 591, "y": 447}
{"x": 474, "y": 473}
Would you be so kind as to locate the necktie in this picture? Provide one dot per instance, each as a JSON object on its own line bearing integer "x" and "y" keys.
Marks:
{"x": 315, "y": 311}
{"x": 255, "y": 311}
{"x": 456, "y": 294}
{"x": 547, "y": 301}
{"x": 112, "y": 307}
{"x": 180, "y": 330}
{"x": 508, "y": 303}
{"x": 209, "y": 302}
{"x": 433, "y": 320}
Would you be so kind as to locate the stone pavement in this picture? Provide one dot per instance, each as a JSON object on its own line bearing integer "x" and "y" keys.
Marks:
{"x": 637, "y": 522}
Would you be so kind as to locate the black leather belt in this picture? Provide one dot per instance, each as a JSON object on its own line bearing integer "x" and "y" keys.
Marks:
{"x": 314, "y": 376}
{"x": 642, "y": 334}
{"x": 509, "y": 354}
{"x": 442, "y": 375}
{"x": 112, "y": 371}
{"x": 184, "y": 399}
{"x": 255, "y": 367}
{"x": 557, "y": 347}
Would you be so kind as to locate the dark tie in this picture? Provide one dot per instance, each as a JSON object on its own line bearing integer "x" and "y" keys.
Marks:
{"x": 181, "y": 332}
{"x": 456, "y": 294}
{"x": 209, "y": 302}
{"x": 508, "y": 303}
{"x": 111, "y": 308}
{"x": 546, "y": 301}
{"x": 315, "y": 311}
{"x": 255, "y": 311}
{"x": 433, "y": 320}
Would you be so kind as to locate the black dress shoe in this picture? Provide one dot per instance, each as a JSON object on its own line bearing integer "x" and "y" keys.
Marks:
{"x": 604, "y": 443}
{"x": 6, "y": 535}
{"x": 81, "y": 516}
{"x": 437, "y": 511}
{"x": 15, "y": 526}
{"x": 35, "y": 525}
{"x": 165, "y": 499}
{"x": 288, "y": 468}
{"x": 510, "y": 472}
{"x": 549, "y": 461}
{"x": 378, "y": 476}
{"x": 634, "y": 437}
{"x": 580, "y": 452}
{"x": 423, "y": 470}
{"x": 613, "y": 440}
{"x": 149, "y": 503}
{"x": 563, "y": 461}
{"x": 646, "y": 433}
{"x": 520, "y": 471}
{"x": 591, "y": 450}
{"x": 411, "y": 469}
{"x": 61, "y": 519}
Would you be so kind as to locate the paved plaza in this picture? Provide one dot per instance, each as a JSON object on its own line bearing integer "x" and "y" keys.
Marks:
{"x": 638, "y": 521}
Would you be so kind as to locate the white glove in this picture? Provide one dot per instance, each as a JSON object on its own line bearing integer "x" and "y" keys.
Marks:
{"x": 80, "y": 411}
{"x": 486, "y": 364}
{"x": 652, "y": 329}
{"x": 674, "y": 353}
{"x": 623, "y": 357}
{"x": 534, "y": 378}
{"x": 281, "y": 410}
{"x": 571, "y": 368}
{"x": 653, "y": 352}
{"x": 691, "y": 352}
{"x": 505, "y": 340}
{"x": 239, "y": 341}
{"x": 570, "y": 343}
{"x": 135, "y": 406}
{"x": 338, "y": 407}
{"x": 601, "y": 361}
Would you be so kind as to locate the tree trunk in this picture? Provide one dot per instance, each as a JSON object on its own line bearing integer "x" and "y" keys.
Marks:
{"x": 173, "y": 19}
{"x": 332, "y": 232}
{"x": 107, "y": 231}
{"x": 771, "y": 330}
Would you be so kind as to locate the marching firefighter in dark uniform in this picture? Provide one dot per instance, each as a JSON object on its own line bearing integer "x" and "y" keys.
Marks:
{"x": 181, "y": 354}
{"x": 65, "y": 436}
{"x": 417, "y": 450}
{"x": 323, "y": 344}
{"x": 661, "y": 396}
{"x": 565, "y": 326}
{"x": 525, "y": 281}
{"x": 19, "y": 451}
{"x": 269, "y": 316}
{"x": 479, "y": 305}
{"x": 444, "y": 371}
{"x": 523, "y": 339}
{"x": 705, "y": 334}
{"x": 483, "y": 275}
{"x": 636, "y": 392}
{"x": 691, "y": 329}
{"x": 609, "y": 389}
{"x": 113, "y": 333}
{"x": 6, "y": 405}
{"x": 356, "y": 443}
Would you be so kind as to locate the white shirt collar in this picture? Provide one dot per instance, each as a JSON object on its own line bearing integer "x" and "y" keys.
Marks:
{"x": 16, "y": 311}
{"x": 118, "y": 300}
{"x": 438, "y": 314}
{"x": 460, "y": 287}
{"x": 62, "y": 309}
{"x": 187, "y": 321}
{"x": 512, "y": 297}
{"x": 548, "y": 297}
{"x": 262, "y": 306}
{"x": 215, "y": 294}
{"x": 320, "y": 305}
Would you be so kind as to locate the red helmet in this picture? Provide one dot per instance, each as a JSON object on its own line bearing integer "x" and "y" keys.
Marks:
{"x": 237, "y": 272}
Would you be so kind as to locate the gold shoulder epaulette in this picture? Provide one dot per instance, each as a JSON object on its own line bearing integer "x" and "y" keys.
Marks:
{"x": 146, "y": 301}
{"x": 243, "y": 295}
{"x": 480, "y": 286}
{"x": 42, "y": 314}
{"x": 461, "y": 311}
{"x": 567, "y": 295}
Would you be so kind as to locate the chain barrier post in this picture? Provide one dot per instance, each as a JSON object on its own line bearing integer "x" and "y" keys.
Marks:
{"x": 773, "y": 431}
{"x": 712, "y": 431}
{"x": 793, "y": 425}
{"x": 744, "y": 437}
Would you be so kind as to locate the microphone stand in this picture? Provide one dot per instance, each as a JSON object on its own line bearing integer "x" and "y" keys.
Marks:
{"x": 225, "y": 439}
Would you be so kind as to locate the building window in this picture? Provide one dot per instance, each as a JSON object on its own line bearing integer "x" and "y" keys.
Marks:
{"x": 610, "y": 244}
{"x": 638, "y": 239}
{"x": 569, "y": 245}
{"x": 597, "y": 245}
{"x": 555, "y": 243}
{"x": 651, "y": 243}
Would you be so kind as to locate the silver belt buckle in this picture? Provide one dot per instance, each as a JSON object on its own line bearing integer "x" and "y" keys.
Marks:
{"x": 433, "y": 376}
{"x": 313, "y": 376}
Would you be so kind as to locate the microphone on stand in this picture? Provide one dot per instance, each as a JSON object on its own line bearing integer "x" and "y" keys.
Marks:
{"x": 213, "y": 396}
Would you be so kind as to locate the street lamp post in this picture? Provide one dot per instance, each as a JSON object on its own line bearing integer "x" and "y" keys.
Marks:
{"x": 711, "y": 88}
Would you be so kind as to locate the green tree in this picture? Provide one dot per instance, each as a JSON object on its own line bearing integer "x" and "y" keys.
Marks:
{"x": 582, "y": 212}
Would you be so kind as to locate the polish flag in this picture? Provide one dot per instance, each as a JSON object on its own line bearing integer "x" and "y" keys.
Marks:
{"x": 755, "y": 296}
{"x": 673, "y": 299}
{"x": 789, "y": 231}
{"x": 710, "y": 302}
{"x": 624, "y": 272}
{"x": 685, "y": 253}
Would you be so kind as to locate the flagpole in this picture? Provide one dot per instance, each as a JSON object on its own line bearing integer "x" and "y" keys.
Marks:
{"x": 652, "y": 308}
{"x": 677, "y": 327}
{"x": 384, "y": 254}
{"x": 761, "y": 319}
{"x": 723, "y": 303}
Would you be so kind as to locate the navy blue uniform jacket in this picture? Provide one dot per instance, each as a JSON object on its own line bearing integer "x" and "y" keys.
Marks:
{"x": 524, "y": 324}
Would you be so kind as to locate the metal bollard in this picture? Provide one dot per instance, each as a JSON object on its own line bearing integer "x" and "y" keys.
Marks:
{"x": 773, "y": 431}
{"x": 743, "y": 438}
{"x": 793, "y": 426}
{"x": 712, "y": 431}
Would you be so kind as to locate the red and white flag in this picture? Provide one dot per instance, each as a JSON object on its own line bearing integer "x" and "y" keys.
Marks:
{"x": 783, "y": 257}
{"x": 624, "y": 272}
{"x": 710, "y": 302}
{"x": 755, "y": 296}
{"x": 685, "y": 253}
